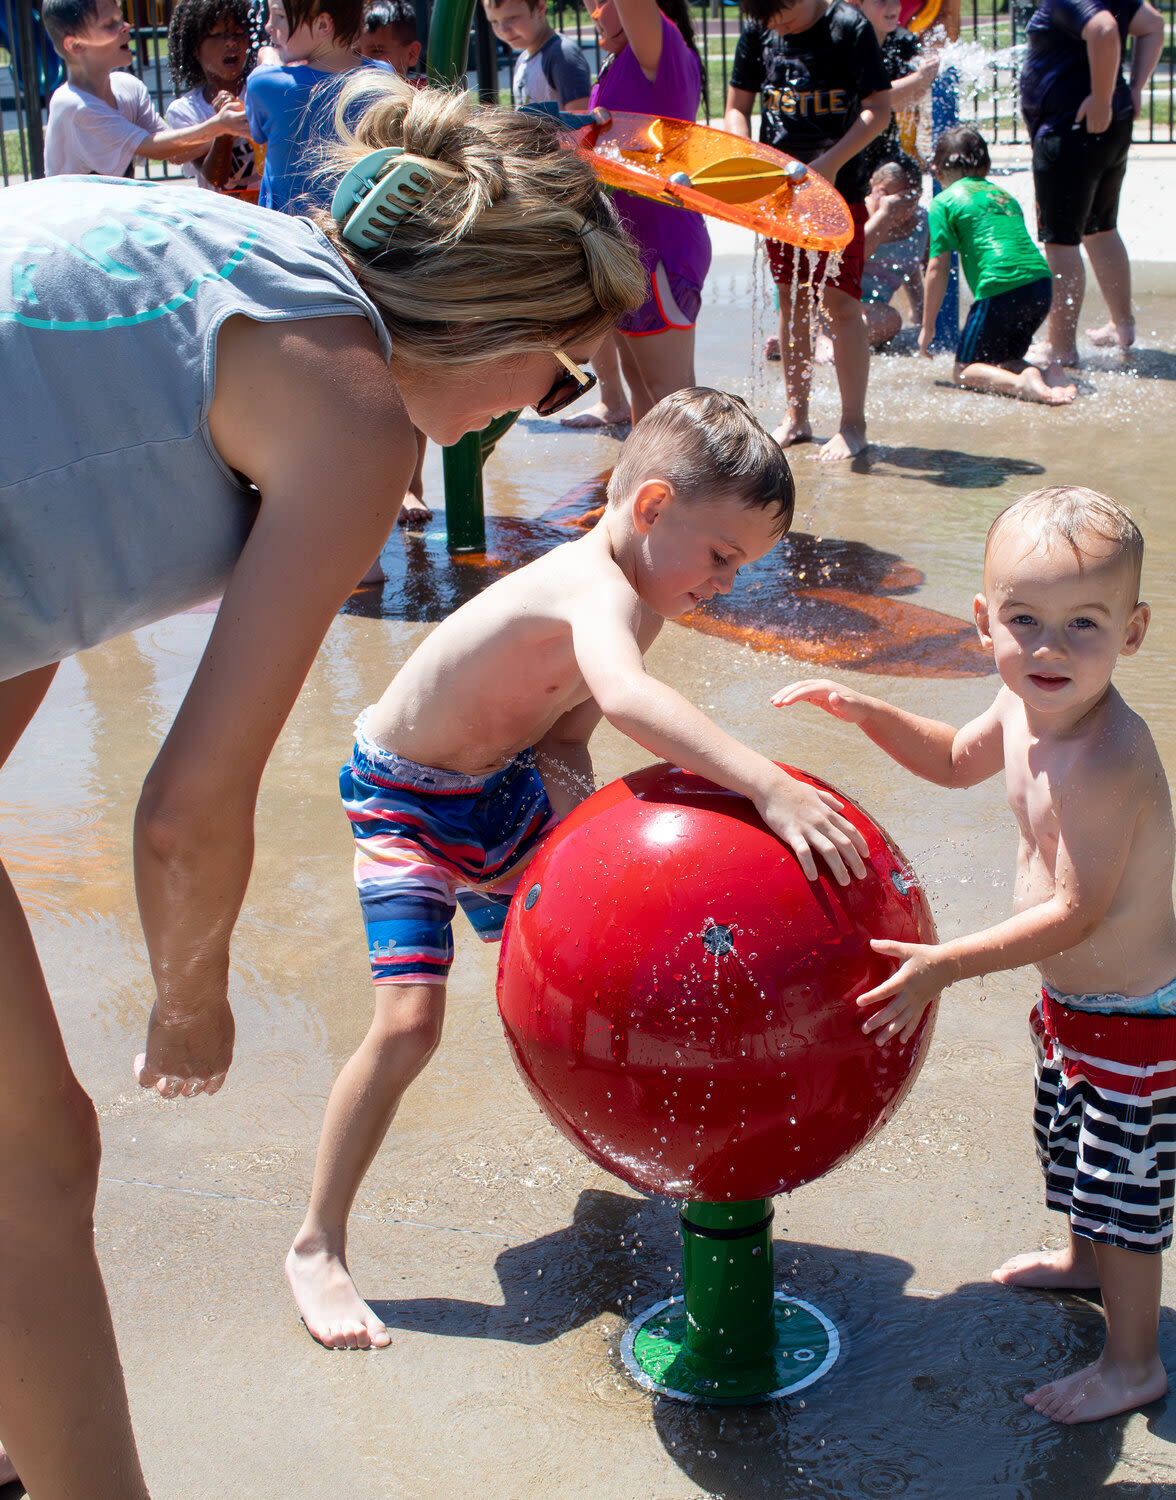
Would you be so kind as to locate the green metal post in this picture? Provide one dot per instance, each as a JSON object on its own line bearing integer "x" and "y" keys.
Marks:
{"x": 731, "y": 1338}
{"x": 465, "y": 513}
{"x": 727, "y": 1274}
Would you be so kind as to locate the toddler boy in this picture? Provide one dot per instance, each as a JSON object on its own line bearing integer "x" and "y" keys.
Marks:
{"x": 549, "y": 67}
{"x": 481, "y": 744}
{"x": 818, "y": 70}
{"x": 1093, "y": 907}
{"x": 101, "y": 118}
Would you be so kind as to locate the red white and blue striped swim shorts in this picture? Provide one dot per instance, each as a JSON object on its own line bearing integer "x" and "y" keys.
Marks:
{"x": 1104, "y": 1122}
{"x": 425, "y": 841}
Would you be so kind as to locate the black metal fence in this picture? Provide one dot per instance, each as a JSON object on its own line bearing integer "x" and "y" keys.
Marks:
{"x": 985, "y": 62}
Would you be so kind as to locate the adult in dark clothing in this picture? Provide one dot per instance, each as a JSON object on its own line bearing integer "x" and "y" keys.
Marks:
{"x": 1079, "y": 108}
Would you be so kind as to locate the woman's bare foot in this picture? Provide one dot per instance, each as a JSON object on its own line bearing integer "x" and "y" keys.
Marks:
{"x": 413, "y": 512}
{"x": 848, "y": 443}
{"x": 1111, "y": 335}
{"x": 1036, "y": 385}
{"x": 596, "y": 417}
{"x": 7, "y": 1469}
{"x": 1043, "y": 356}
{"x": 1100, "y": 1390}
{"x": 332, "y": 1309}
{"x": 1071, "y": 1269}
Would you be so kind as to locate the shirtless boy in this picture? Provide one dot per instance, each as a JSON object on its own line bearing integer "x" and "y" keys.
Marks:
{"x": 481, "y": 744}
{"x": 1093, "y": 907}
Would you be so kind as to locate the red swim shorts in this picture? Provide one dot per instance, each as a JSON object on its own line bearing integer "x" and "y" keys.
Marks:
{"x": 790, "y": 264}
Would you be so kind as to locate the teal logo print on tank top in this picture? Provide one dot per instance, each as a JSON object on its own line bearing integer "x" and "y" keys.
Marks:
{"x": 107, "y": 248}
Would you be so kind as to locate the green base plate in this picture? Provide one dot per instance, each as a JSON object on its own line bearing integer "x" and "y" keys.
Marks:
{"x": 654, "y": 1352}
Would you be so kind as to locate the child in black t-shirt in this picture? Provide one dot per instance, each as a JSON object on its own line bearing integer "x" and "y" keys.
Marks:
{"x": 817, "y": 67}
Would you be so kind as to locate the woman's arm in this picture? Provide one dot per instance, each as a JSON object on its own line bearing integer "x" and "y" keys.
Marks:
{"x": 331, "y": 477}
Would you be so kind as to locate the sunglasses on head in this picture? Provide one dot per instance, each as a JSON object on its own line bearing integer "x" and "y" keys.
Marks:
{"x": 569, "y": 385}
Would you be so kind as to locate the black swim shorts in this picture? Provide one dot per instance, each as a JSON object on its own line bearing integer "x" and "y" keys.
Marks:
{"x": 1076, "y": 179}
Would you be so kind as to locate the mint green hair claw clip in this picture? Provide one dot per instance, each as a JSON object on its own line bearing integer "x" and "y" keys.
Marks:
{"x": 378, "y": 192}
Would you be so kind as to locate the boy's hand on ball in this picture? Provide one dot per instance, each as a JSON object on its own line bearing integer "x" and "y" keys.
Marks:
{"x": 842, "y": 703}
{"x": 922, "y": 975}
{"x": 811, "y": 822}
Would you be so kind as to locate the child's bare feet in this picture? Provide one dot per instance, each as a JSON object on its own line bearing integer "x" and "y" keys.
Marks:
{"x": 413, "y": 512}
{"x": 1043, "y": 356}
{"x": 331, "y": 1307}
{"x": 794, "y": 431}
{"x": 1112, "y": 334}
{"x": 595, "y": 417}
{"x": 848, "y": 443}
{"x": 1037, "y": 385}
{"x": 7, "y": 1469}
{"x": 772, "y": 346}
{"x": 1100, "y": 1390}
{"x": 1073, "y": 1269}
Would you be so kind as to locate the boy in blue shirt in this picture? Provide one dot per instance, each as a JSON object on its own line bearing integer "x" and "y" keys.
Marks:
{"x": 316, "y": 41}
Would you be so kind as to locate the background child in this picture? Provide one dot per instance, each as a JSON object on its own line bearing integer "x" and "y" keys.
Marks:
{"x": 1093, "y": 910}
{"x": 549, "y": 66}
{"x": 911, "y": 72}
{"x": 316, "y": 40}
{"x": 817, "y": 68}
{"x": 101, "y": 118}
{"x": 209, "y": 51}
{"x": 390, "y": 36}
{"x": 1008, "y": 275}
{"x": 481, "y": 744}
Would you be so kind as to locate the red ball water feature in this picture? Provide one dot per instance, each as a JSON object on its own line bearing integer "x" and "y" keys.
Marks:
{"x": 680, "y": 998}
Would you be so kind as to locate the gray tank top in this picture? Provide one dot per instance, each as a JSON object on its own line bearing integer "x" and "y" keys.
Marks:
{"x": 115, "y": 508}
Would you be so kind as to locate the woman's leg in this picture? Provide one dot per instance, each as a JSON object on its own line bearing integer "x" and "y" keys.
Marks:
{"x": 402, "y": 1038}
{"x": 66, "y": 1425}
{"x": 1060, "y": 344}
{"x": 657, "y": 365}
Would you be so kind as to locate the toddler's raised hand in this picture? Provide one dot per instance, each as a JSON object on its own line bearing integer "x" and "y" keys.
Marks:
{"x": 923, "y": 974}
{"x": 811, "y": 822}
{"x": 842, "y": 703}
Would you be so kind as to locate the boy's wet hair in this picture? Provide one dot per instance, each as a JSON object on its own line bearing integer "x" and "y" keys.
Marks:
{"x": 762, "y": 11}
{"x": 346, "y": 16}
{"x": 706, "y": 445}
{"x": 399, "y": 15}
{"x": 191, "y": 22}
{"x": 901, "y": 166}
{"x": 1076, "y": 516}
{"x": 963, "y": 149}
{"x": 64, "y": 18}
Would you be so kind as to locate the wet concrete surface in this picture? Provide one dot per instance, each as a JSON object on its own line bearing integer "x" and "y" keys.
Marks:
{"x": 504, "y": 1262}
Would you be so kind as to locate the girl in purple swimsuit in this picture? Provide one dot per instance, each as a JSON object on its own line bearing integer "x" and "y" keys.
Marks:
{"x": 654, "y": 69}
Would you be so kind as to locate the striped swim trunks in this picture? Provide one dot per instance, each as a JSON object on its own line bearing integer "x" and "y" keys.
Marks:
{"x": 1104, "y": 1122}
{"x": 425, "y": 840}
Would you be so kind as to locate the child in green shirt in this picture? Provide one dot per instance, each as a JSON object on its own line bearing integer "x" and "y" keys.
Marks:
{"x": 1008, "y": 275}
